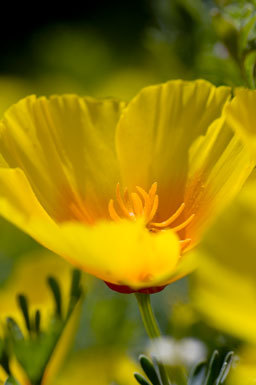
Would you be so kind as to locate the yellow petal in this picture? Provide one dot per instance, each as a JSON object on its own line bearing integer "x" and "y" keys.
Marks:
{"x": 65, "y": 146}
{"x": 156, "y": 131}
{"x": 240, "y": 114}
{"x": 225, "y": 286}
{"x": 186, "y": 265}
{"x": 123, "y": 253}
{"x": 19, "y": 205}
{"x": 219, "y": 164}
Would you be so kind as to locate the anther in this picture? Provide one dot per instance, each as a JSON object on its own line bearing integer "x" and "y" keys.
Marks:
{"x": 171, "y": 219}
{"x": 127, "y": 200}
{"x": 137, "y": 204}
{"x": 112, "y": 211}
{"x": 154, "y": 209}
{"x": 143, "y": 204}
{"x": 183, "y": 224}
{"x": 120, "y": 201}
{"x": 146, "y": 199}
{"x": 152, "y": 191}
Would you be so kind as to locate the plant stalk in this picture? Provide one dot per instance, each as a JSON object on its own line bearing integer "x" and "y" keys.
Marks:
{"x": 151, "y": 327}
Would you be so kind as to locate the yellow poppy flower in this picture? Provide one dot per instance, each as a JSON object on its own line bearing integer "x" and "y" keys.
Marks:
{"x": 123, "y": 191}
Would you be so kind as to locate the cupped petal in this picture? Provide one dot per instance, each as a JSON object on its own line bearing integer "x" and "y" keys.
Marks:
{"x": 65, "y": 147}
{"x": 219, "y": 165}
{"x": 156, "y": 130}
{"x": 19, "y": 205}
{"x": 123, "y": 253}
{"x": 187, "y": 264}
{"x": 240, "y": 114}
{"x": 225, "y": 285}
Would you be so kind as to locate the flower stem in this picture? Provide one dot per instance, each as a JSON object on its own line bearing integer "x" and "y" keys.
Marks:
{"x": 151, "y": 327}
{"x": 147, "y": 315}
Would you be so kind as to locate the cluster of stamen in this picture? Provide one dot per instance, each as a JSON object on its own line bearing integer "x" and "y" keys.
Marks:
{"x": 142, "y": 204}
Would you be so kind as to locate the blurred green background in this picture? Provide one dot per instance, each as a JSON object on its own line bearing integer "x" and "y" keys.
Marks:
{"x": 114, "y": 48}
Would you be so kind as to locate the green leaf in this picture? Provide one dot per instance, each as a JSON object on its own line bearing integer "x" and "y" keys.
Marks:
{"x": 140, "y": 379}
{"x": 149, "y": 369}
{"x": 198, "y": 374}
{"x": 11, "y": 381}
{"x": 212, "y": 370}
{"x": 55, "y": 288}
{"x": 4, "y": 361}
{"x": 23, "y": 304}
{"x": 249, "y": 67}
{"x": 35, "y": 352}
{"x": 37, "y": 321}
{"x": 244, "y": 33}
{"x": 14, "y": 329}
{"x": 75, "y": 290}
{"x": 226, "y": 366}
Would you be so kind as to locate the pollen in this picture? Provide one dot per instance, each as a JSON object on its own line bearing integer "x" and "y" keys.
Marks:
{"x": 142, "y": 204}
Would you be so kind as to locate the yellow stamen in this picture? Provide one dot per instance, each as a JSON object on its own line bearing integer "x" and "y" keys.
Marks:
{"x": 143, "y": 204}
{"x": 120, "y": 201}
{"x": 151, "y": 196}
{"x": 154, "y": 208}
{"x": 127, "y": 200}
{"x": 112, "y": 211}
{"x": 152, "y": 190}
{"x": 171, "y": 219}
{"x": 183, "y": 224}
{"x": 137, "y": 204}
{"x": 146, "y": 199}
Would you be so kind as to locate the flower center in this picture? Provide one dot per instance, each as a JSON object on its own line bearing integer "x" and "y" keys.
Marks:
{"x": 142, "y": 204}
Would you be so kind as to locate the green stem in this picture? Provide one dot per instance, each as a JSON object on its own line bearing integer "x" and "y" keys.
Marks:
{"x": 151, "y": 327}
{"x": 147, "y": 315}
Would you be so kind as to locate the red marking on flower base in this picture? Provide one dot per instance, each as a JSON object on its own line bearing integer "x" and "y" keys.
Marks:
{"x": 128, "y": 290}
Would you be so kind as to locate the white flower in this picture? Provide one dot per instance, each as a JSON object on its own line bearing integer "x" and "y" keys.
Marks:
{"x": 187, "y": 351}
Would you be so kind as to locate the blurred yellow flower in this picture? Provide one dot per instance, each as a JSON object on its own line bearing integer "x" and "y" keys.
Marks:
{"x": 225, "y": 285}
{"x": 121, "y": 190}
{"x": 244, "y": 372}
{"x": 99, "y": 367}
{"x": 29, "y": 278}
